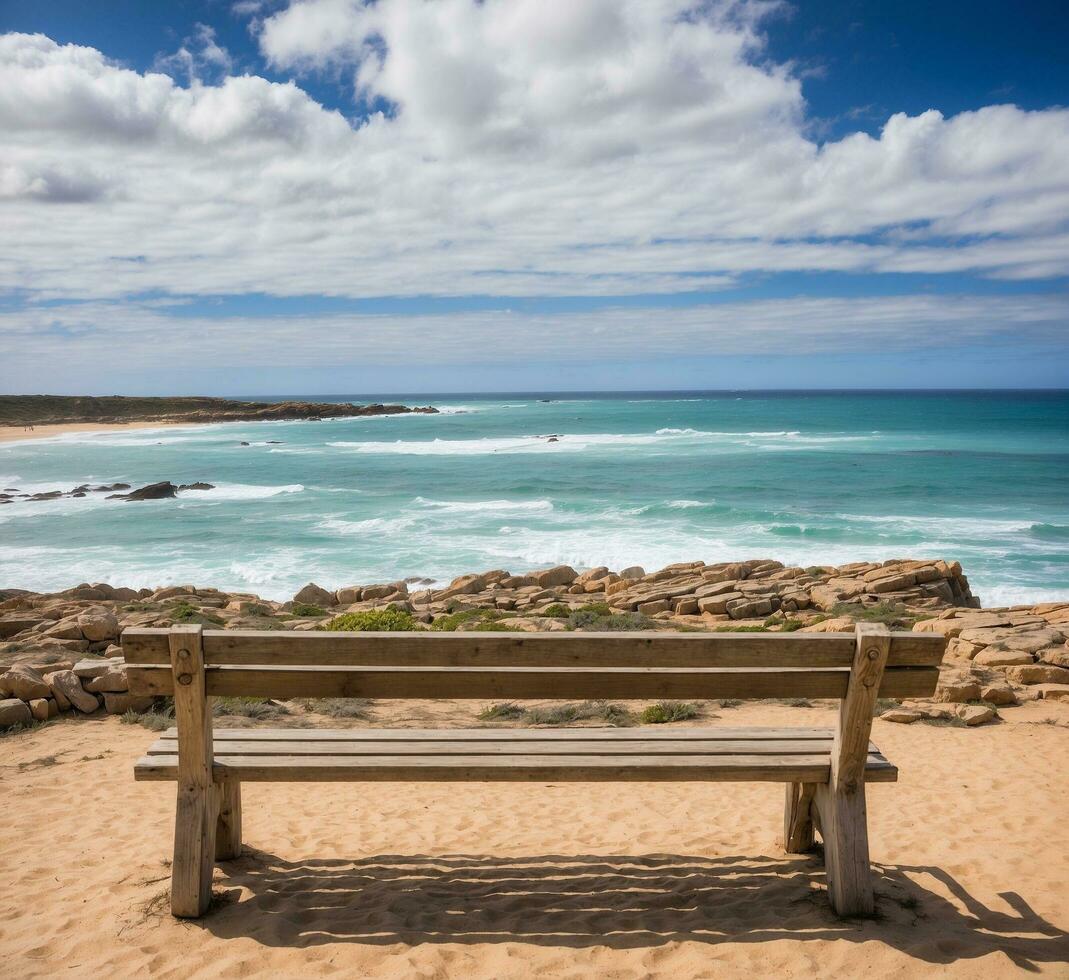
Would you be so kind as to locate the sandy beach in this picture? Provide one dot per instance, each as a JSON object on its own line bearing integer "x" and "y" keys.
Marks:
{"x": 20, "y": 433}
{"x": 481, "y": 880}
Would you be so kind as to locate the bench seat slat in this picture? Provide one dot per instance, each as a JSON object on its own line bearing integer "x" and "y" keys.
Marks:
{"x": 487, "y": 683}
{"x": 460, "y": 768}
{"x": 428, "y": 649}
{"x": 508, "y": 748}
{"x": 516, "y": 734}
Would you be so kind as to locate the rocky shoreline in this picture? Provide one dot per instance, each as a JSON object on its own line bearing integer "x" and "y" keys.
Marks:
{"x": 59, "y": 652}
{"x": 28, "y": 410}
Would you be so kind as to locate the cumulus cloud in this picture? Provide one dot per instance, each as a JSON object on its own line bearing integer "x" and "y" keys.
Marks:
{"x": 519, "y": 148}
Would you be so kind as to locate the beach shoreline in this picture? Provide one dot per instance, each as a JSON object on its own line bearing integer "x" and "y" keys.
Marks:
{"x": 20, "y": 433}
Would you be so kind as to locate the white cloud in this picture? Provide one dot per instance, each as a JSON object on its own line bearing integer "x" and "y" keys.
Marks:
{"x": 530, "y": 147}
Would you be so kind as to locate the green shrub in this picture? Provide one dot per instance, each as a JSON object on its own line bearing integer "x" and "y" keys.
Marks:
{"x": 338, "y": 707}
{"x": 566, "y": 714}
{"x": 891, "y": 613}
{"x": 503, "y": 711}
{"x": 587, "y": 619}
{"x": 388, "y": 620}
{"x": 558, "y": 610}
{"x": 455, "y": 620}
{"x": 185, "y": 612}
{"x": 667, "y": 711}
{"x": 306, "y": 609}
{"x": 259, "y": 709}
{"x": 158, "y": 718}
{"x": 741, "y": 629}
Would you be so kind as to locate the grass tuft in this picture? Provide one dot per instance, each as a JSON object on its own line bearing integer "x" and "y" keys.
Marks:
{"x": 667, "y": 711}
{"x": 502, "y": 711}
{"x": 388, "y": 620}
{"x": 566, "y": 714}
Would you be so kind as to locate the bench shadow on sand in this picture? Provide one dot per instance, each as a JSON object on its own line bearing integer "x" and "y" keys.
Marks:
{"x": 618, "y": 901}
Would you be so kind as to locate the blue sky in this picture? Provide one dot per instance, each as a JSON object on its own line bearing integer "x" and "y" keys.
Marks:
{"x": 319, "y": 196}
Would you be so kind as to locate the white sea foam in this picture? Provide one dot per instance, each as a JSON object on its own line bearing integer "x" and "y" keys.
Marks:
{"x": 485, "y": 506}
{"x": 239, "y": 491}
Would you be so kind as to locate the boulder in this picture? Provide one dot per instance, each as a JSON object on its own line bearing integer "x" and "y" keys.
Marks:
{"x": 1038, "y": 674}
{"x": 43, "y": 708}
{"x": 22, "y": 681}
{"x": 994, "y": 657}
{"x": 15, "y": 623}
{"x": 1055, "y": 656}
{"x": 976, "y": 714}
{"x": 1053, "y": 692}
{"x": 314, "y": 595}
{"x": 113, "y": 681}
{"x": 997, "y": 692}
{"x": 649, "y": 608}
{"x": 348, "y": 595}
{"x": 718, "y": 604}
{"x": 99, "y": 624}
{"x": 957, "y": 691}
{"x": 154, "y": 491}
{"x": 902, "y": 716}
{"x": 14, "y": 712}
{"x": 553, "y": 577}
{"x": 632, "y": 573}
{"x": 66, "y": 687}
{"x": 593, "y": 574}
{"x": 464, "y": 585}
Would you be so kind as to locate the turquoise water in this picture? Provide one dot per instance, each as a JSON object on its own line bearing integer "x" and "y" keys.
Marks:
{"x": 633, "y": 479}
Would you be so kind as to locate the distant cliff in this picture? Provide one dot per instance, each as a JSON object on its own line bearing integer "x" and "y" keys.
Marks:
{"x": 67, "y": 409}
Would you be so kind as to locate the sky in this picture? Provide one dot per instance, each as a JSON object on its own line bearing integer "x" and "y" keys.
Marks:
{"x": 328, "y": 196}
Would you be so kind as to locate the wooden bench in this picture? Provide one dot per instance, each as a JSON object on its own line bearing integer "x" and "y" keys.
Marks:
{"x": 825, "y": 770}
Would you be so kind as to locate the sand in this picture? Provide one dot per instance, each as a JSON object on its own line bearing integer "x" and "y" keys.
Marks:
{"x": 19, "y": 433}
{"x": 608, "y": 880}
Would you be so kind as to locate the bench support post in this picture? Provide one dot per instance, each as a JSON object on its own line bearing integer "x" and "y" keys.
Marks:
{"x": 797, "y": 818}
{"x": 198, "y": 796}
{"x": 841, "y": 803}
{"x": 228, "y": 827}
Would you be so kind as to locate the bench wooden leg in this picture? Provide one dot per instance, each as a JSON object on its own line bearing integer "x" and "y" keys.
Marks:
{"x": 228, "y": 829}
{"x": 194, "y": 850}
{"x": 844, "y": 830}
{"x": 797, "y": 818}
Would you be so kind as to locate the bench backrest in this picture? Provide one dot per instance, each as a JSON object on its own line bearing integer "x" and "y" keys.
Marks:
{"x": 480, "y": 665}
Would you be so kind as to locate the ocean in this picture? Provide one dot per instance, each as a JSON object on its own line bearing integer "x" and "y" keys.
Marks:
{"x": 532, "y": 480}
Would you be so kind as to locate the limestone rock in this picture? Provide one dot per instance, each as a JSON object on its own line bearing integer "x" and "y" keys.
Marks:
{"x": 41, "y": 710}
{"x": 995, "y": 657}
{"x": 88, "y": 669}
{"x": 66, "y": 686}
{"x": 22, "y": 681}
{"x": 99, "y": 624}
{"x": 976, "y": 714}
{"x": 113, "y": 681}
{"x": 557, "y": 576}
{"x": 1055, "y": 656}
{"x": 632, "y": 573}
{"x": 902, "y": 716}
{"x": 314, "y": 595}
{"x": 1038, "y": 674}
{"x": 13, "y": 711}
{"x": 957, "y": 691}
{"x": 997, "y": 692}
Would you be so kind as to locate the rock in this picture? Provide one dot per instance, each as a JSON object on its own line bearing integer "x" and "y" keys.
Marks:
{"x": 957, "y": 691}
{"x": 1055, "y": 656}
{"x": 113, "y": 681}
{"x": 464, "y": 585}
{"x": 718, "y": 604}
{"x": 976, "y": 714}
{"x": 314, "y": 595}
{"x": 997, "y": 692}
{"x": 66, "y": 687}
{"x": 1038, "y": 674}
{"x": 649, "y": 608}
{"x": 632, "y": 573}
{"x": 592, "y": 575}
{"x": 119, "y": 703}
{"x": 17, "y": 622}
{"x": 1053, "y": 692}
{"x": 43, "y": 708}
{"x": 348, "y": 595}
{"x": 154, "y": 491}
{"x": 99, "y": 624}
{"x": 902, "y": 716}
{"x": 22, "y": 681}
{"x": 14, "y": 712}
{"x": 557, "y": 576}
{"x": 994, "y": 657}
{"x": 197, "y": 486}
{"x": 840, "y": 624}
